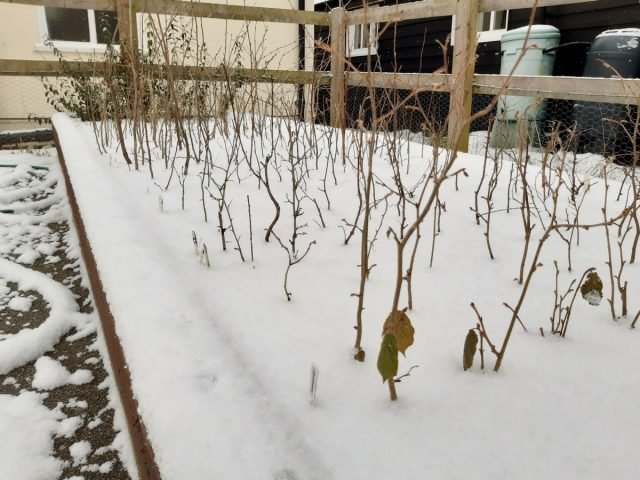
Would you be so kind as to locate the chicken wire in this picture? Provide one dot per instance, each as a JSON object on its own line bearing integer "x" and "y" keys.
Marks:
{"x": 424, "y": 113}
{"x": 603, "y": 129}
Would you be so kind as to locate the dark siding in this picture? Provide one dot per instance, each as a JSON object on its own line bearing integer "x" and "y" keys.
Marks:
{"x": 413, "y": 46}
{"x": 582, "y": 23}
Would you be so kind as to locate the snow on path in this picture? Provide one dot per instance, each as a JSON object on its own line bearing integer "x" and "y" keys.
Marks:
{"x": 28, "y": 344}
{"x": 32, "y": 455}
{"x": 27, "y": 428}
{"x": 15, "y": 175}
{"x": 13, "y": 195}
{"x": 183, "y": 352}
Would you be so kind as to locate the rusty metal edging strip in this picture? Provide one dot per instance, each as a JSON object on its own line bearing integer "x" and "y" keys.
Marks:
{"x": 142, "y": 449}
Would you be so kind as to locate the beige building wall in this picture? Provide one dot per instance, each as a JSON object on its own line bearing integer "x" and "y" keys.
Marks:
{"x": 23, "y": 30}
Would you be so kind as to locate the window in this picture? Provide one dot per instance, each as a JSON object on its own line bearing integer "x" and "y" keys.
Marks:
{"x": 359, "y": 37}
{"x": 491, "y": 26}
{"x": 73, "y": 29}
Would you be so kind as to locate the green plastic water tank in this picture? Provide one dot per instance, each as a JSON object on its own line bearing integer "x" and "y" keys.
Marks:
{"x": 535, "y": 61}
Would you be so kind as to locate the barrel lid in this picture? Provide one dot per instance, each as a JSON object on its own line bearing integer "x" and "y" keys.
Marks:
{"x": 621, "y": 32}
{"x": 536, "y": 32}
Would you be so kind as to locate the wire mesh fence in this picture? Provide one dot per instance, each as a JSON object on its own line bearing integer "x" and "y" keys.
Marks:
{"x": 599, "y": 129}
{"x": 606, "y": 130}
{"x": 425, "y": 112}
{"x": 596, "y": 128}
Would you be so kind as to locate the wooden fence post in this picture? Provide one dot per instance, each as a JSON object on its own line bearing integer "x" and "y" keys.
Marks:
{"x": 463, "y": 68}
{"x": 128, "y": 29}
{"x": 338, "y": 54}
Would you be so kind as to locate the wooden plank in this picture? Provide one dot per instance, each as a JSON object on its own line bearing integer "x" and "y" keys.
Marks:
{"x": 400, "y": 81}
{"x": 338, "y": 54}
{"x": 109, "y": 5}
{"x": 195, "y": 9}
{"x": 48, "y": 68}
{"x": 606, "y": 90}
{"x": 440, "y": 8}
{"x": 464, "y": 57}
{"x": 128, "y": 29}
{"x": 404, "y": 11}
{"x": 142, "y": 448}
{"x": 489, "y": 5}
{"x": 232, "y": 12}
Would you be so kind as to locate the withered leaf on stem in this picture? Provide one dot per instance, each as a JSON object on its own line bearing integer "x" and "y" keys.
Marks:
{"x": 399, "y": 325}
{"x": 470, "y": 345}
{"x": 591, "y": 289}
{"x": 388, "y": 358}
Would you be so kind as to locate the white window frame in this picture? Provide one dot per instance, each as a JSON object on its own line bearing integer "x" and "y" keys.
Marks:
{"x": 352, "y": 51}
{"x": 491, "y": 35}
{"x": 92, "y": 46}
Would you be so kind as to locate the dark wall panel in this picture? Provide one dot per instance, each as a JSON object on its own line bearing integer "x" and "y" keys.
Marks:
{"x": 412, "y": 46}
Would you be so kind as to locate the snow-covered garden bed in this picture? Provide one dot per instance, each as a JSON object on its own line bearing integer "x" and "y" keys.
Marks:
{"x": 242, "y": 358}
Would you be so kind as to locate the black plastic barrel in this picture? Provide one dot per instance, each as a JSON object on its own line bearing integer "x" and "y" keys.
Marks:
{"x": 612, "y": 53}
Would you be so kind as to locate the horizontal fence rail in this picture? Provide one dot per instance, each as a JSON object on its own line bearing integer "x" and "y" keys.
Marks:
{"x": 618, "y": 90}
{"x": 399, "y": 81}
{"x": 605, "y": 90}
{"x": 438, "y": 8}
{"x": 194, "y": 9}
{"x": 109, "y": 5}
{"x": 232, "y": 12}
{"x": 461, "y": 83}
{"x": 52, "y": 68}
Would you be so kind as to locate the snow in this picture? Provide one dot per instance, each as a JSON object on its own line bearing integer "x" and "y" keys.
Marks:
{"x": 20, "y": 304}
{"x": 68, "y": 426}
{"x": 80, "y": 451}
{"x": 220, "y": 360}
{"x": 593, "y": 297}
{"x": 52, "y": 374}
{"x": 46, "y": 248}
{"x": 105, "y": 467}
{"x": 28, "y": 257}
{"x": 25, "y": 422}
{"x": 29, "y": 344}
{"x": 27, "y": 428}
{"x": 75, "y": 403}
{"x": 49, "y": 374}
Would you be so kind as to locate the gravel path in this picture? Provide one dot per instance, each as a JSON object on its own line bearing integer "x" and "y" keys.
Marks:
{"x": 50, "y": 248}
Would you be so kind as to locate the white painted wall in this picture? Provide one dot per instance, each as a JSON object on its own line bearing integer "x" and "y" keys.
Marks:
{"x": 24, "y": 30}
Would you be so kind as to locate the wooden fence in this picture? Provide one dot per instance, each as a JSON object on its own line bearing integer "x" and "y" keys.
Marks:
{"x": 462, "y": 83}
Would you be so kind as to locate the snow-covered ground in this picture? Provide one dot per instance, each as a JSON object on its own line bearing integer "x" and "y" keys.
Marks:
{"x": 45, "y": 324}
{"x": 221, "y": 361}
